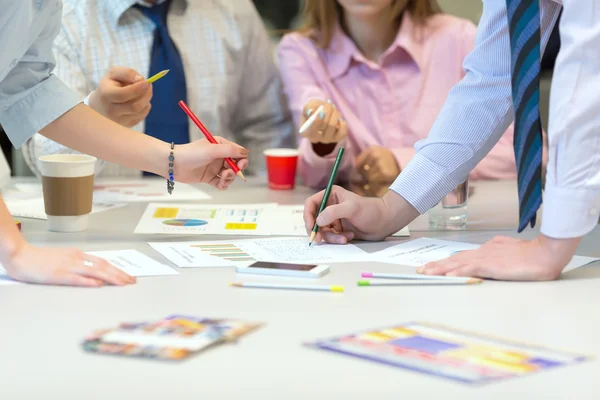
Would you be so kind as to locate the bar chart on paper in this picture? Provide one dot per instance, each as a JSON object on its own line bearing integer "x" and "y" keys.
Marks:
{"x": 204, "y": 254}
{"x": 226, "y": 251}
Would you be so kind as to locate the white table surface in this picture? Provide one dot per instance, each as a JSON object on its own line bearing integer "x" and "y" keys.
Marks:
{"x": 41, "y": 328}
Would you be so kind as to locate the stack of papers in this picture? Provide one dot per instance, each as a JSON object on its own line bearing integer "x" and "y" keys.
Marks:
{"x": 173, "y": 338}
{"x": 448, "y": 353}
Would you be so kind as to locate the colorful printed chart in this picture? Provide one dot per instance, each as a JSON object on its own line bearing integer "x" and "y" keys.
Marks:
{"x": 448, "y": 353}
{"x": 184, "y": 222}
{"x": 213, "y": 219}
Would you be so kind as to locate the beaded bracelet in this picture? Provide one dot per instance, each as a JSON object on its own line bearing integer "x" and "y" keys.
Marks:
{"x": 171, "y": 180}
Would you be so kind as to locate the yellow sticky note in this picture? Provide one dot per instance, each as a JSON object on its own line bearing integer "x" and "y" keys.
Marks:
{"x": 240, "y": 226}
{"x": 166, "y": 213}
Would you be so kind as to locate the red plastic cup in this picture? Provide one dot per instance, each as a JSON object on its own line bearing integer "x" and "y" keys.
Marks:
{"x": 281, "y": 168}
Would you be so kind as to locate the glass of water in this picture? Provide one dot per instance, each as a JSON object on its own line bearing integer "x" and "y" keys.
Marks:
{"x": 451, "y": 212}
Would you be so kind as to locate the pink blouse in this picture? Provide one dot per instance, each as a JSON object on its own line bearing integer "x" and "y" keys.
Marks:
{"x": 393, "y": 104}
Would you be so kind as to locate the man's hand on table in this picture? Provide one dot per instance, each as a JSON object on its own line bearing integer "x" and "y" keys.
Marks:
{"x": 505, "y": 258}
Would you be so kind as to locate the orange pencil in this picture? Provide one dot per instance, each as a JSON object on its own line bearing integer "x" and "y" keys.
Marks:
{"x": 209, "y": 137}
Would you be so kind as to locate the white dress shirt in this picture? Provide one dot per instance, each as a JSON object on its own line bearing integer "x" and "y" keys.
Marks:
{"x": 232, "y": 82}
{"x": 30, "y": 96}
{"x": 479, "y": 109}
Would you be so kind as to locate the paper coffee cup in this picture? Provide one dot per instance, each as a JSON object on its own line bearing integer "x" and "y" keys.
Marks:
{"x": 68, "y": 186}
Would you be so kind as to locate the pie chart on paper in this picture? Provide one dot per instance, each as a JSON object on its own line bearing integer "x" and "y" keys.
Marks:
{"x": 184, "y": 222}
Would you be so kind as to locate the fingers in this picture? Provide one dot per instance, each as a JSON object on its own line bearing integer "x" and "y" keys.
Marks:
{"x": 117, "y": 93}
{"x": 337, "y": 211}
{"x": 243, "y": 163}
{"x": 311, "y": 127}
{"x": 329, "y": 131}
{"x": 309, "y": 109}
{"x": 342, "y": 131}
{"x": 311, "y": 206}
{"x": 134, "y": 111}
{"x": 337, "y": 238}
{"x": 361, "y": 159}
{"x": 105, "y": 272}
{"x": 440, "y": 267}
{"x": 124, "y": 75}
{"x": 226, "y": 149}
{"x": 71, "y": 279}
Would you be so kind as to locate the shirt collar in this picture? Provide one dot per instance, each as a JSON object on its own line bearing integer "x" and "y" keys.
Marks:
{"x": 116, "y": 8}
{"x": 342, "y": 50}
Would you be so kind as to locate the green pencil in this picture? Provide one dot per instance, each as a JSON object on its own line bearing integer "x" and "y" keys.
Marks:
{"x": 336, "y": 165}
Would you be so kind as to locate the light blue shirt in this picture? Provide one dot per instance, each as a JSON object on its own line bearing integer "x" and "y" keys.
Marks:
{"x": 30, "y": 96}
{"x": 479, "y": 109}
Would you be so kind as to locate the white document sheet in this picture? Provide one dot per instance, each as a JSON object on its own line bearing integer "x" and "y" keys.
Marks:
{"x": 289, "y": 221}
{"x": 34, "y": 207}
{"x": 204, "y": 254}
{"x": 153, "y": 189}
{"x": 297, "y": 250}
{"x": 134, "y": 263}
{"x": 579, "y": 261}
{"x": 213, "y": 219}
{"x": 132, "y": 190}
{"x": 241, "y": 253}
{"x": 420, "y": 251}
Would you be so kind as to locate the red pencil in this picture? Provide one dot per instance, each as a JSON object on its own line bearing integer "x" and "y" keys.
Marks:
{"x": 209, "y": 137}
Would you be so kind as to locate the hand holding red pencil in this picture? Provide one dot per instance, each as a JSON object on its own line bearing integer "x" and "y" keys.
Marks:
{"x": 214, "y": 161}
{"x": 209, "y": 137}
{"x": 204, "y": 162}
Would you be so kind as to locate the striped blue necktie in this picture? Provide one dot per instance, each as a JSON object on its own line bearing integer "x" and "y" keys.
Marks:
{"x": 524, "y": 28}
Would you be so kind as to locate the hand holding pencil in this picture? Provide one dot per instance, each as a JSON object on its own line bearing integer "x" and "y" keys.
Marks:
{"x": 347, "y": 216}
{"x": 123, "y": 96}
{"x": 210, "y": 137}
{"x": 215, "y": 161}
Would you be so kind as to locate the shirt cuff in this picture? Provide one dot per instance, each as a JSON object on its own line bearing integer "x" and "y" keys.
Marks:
{"x": 568, "y": 212}
{"x": 45, "y": 103}
{"x": 423, "y": 184}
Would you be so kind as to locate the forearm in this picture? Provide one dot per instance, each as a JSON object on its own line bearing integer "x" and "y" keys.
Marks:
{"x": 399, "y": 212}
{"x": 84, "y": 130}
{"x": 11, "y": 239}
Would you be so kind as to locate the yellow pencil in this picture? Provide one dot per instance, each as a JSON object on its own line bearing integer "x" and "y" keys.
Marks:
{"x": 158, "y": 76}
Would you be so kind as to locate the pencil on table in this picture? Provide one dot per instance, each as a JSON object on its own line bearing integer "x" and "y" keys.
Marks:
{"x": 322, "y": 288}
{"x": 418, "y": 277}
{"x": 415, "y": 282}
{"x": 334, "y": 170}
